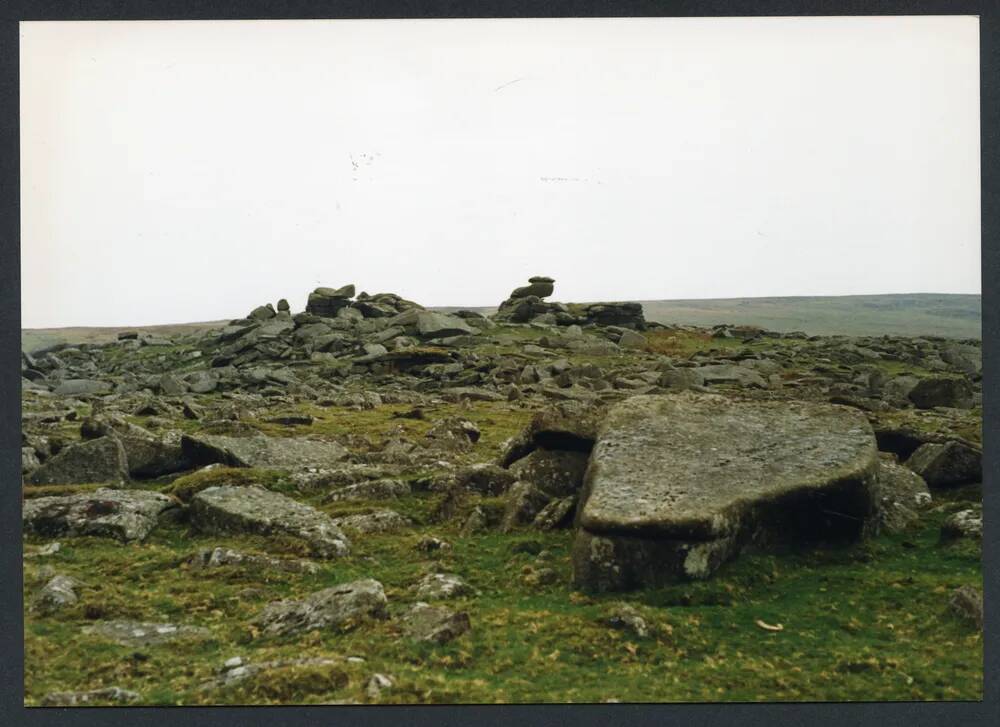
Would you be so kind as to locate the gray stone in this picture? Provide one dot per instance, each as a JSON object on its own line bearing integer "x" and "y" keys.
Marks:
{"x": 380, "y": 521}
{"x": 729, "y": 374}
{"x": 942, "y": 391}
{"x": 122, "y": 514}
{"x": 486, "y": 479}
{"x": 435, "y": 624}
{"x": 89, "y": 697}
{"x": 947, "y": 464}
{"x": 339, "y": 608}
{"x": 555, "y": 472}
{"x": 437, "y": 325}
{"x": 143, "y": 633}
{"x": 82, "y": 387}
{"x": 555, "y": 514}
{"x": 97, "y": 460}
{"x": 253, "y": 509}
{"x": 261, "y": 451}
{"x": 58, "y": 593}
{"x": 900, "y": 494}
{"x": 626, "y": 617}
{"x": 770, "y": 470}
{"x": 384, "y": 489}
{"x": 633, "y": 340}
{"x": 967, "y": 602}
{"x": 435, "y": 586}
{"x": 964, "y": 524}
{"x": 219, "y": 557}
{"x": 524, "y": 502}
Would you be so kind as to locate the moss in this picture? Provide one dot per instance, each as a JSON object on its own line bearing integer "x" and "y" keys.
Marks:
{"x": 186, "y": 487}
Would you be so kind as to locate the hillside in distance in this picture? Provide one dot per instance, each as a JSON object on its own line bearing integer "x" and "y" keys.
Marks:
{"x": 909, "y": 314}
{"x": 912, "y": 314}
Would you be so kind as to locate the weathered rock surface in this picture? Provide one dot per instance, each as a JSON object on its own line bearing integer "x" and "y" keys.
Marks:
{"x": 556, "y": 472}
{"x": 92, "y": 696}
{"x": 435, "y": 624}
{"x": 143, "y": 633}
{"x": 676, "y": 483}
{"x": 942, "y": 391}
{"x": 967, "y": 602}
{"x": 964, "y": 524}
{"x": 122, "y": 514}
{"x": 947, "y": 464}
{"x": 262, "y": 451}
{"x": 253, "y": 509}
{"x": 436, "y": 586}
{"x": 340, "y": 607}
{"x": 219, "y": 557}
{"x": 693, "y": 466}
{"x": 58, "y": 593}
{"x": 98, "y": 460}
{"x": 380, "y": 521}
{"x": 900, "y": 494}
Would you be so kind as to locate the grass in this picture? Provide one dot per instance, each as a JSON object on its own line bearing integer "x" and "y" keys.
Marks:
{"x": 867, "y": 622}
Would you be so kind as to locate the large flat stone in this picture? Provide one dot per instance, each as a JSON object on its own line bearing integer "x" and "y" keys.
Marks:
{"x": 694, "y": 467}
{"x": 256, "y": 510}
{"x": 677, "y": 485}
{"x": 261, "y": 451}
{"x": 122, "y": 514}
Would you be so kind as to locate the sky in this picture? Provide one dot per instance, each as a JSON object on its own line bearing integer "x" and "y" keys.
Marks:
{"x": 190, "y": 171}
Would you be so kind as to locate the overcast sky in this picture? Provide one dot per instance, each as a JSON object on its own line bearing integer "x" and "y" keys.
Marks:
{"x": 189, "y": 171}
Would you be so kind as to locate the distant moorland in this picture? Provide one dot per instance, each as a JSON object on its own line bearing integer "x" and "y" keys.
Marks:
{"x": 914, "y": 314}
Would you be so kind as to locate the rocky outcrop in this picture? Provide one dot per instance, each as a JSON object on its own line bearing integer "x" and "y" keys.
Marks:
{"x": 676, "y": 484}
{"x": 256, "y": 510}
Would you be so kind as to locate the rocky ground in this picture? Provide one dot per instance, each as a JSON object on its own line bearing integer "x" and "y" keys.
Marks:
{"x": 372, "y": 502}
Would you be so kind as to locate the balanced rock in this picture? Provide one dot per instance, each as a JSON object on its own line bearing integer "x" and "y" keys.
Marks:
{"x": 122, "y": 514}
{"x": 538, "y": 286}
{"x": 253, "y": 509}
{"x": 326, "y": 302}
{"x": 677, "y": 484}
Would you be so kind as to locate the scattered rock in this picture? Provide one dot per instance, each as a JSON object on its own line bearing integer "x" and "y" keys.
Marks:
{"x": 948, "y": 464}
{"x": 435, "y": 624}
{"x": 627, "y": 618}
{"x": 122, "y": 514}
{"x": 219, "y": 557}
{"x": 436, "y": 586}
{"x": 261, "y": 451}
{"x": 97, "y": 460}
{"x": 58, "y": 593}
{"x": 942, "y": 391}
{"x": 143, "y": 633}
{"x": 253, "y": 509}
{"x": 967, "y": 602}
{"x": 340, "y": 607}
{"x": 91, "y": 697}
{"x": 380, "y": 521}
{"x": 964, "y": 524}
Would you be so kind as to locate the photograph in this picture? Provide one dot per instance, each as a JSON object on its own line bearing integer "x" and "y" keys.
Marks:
{"x": 519, "y": 361}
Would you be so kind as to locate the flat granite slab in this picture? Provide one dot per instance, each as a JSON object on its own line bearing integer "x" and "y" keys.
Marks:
{"x": 694, "y": 466}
